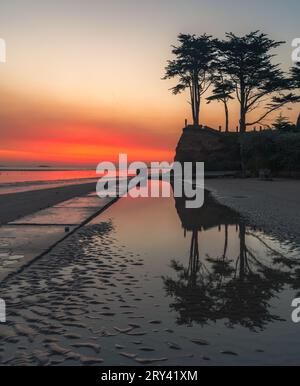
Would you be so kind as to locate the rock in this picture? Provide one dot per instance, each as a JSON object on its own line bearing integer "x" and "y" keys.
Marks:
{"x": 219, "y": 151}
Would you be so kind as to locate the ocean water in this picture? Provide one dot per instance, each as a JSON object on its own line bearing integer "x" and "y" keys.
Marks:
{"x": 12, "y": 181}
{"x": 29, "y": 176}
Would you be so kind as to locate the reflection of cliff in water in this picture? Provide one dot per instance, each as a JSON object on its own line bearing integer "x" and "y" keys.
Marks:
{"x": 237, "y": 289}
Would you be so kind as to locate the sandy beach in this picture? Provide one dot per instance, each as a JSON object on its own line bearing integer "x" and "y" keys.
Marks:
{"x": 272, "y": 205}
{"x": 17, "y": 205}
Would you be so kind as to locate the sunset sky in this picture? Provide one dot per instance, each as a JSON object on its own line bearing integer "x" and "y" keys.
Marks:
{"x": 82, "y": 81}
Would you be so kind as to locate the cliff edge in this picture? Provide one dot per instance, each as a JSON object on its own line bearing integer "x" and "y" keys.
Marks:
{"x": 219, "y": 151}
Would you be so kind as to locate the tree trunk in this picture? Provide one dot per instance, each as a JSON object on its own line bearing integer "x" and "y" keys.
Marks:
{"x": 197, "y": 107}
{"x": 242, "y": 251}
{"x": 243, "y": 120}
{"x": 198, "y": 113}
{"x": 194, "y": 258}
{"x": 243, "y": 107}
{"x": 195, "y": 101}
{"x": 242, "y": 158}
{"x": 242, "y": 126}
{"x": 298, "y": 123}
{"x": 195, "y": 114}
{"x": 227, "y": 118}
{"x": 226, "y": 242}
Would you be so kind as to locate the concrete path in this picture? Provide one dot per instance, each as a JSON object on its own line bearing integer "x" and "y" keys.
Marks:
{"x": 24, "y": 240}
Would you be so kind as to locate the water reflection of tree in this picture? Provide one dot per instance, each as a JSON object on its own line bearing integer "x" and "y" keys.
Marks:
{"x": 237, "y": 290}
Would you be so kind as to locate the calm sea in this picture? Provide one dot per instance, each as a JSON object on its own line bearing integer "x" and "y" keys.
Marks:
{"x": 33, "y": 175}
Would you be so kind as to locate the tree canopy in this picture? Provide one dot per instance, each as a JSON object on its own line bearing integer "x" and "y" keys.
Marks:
{"x": 240, "y": 65}
{"x": 192, "y": 67}
{"x": 283, "y": 124}
{"x": 259, "y": 83}
{"x": 222, "y": 91}
{"x": 296, "y": 76}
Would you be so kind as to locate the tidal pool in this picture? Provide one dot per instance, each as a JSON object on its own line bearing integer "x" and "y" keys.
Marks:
{"x": 151, "y": 282}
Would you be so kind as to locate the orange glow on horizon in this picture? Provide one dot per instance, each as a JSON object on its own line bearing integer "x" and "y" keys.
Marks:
{"x": 82, "y": 154}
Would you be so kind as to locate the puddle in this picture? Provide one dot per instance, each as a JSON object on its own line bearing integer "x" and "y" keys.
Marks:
{"x": 150, "y": 282}
{"x": 84, "y": 202}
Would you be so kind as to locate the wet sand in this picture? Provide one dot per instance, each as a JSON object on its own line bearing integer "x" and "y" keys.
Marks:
{"x": 17, "y": 205}
{"x": 28, "y": 186}
{"x": 272, "y": 205}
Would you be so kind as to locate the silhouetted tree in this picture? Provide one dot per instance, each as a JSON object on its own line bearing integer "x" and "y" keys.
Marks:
{"x": 223, "y": 88}
{"x": 295, "y": 71}
{"x": 298, "y": 124}
{"x": 258, "y": 82}
{"x": 193, "y": 67}
{"x": 283, "y": 124}
{"x": 296, "y": 76}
